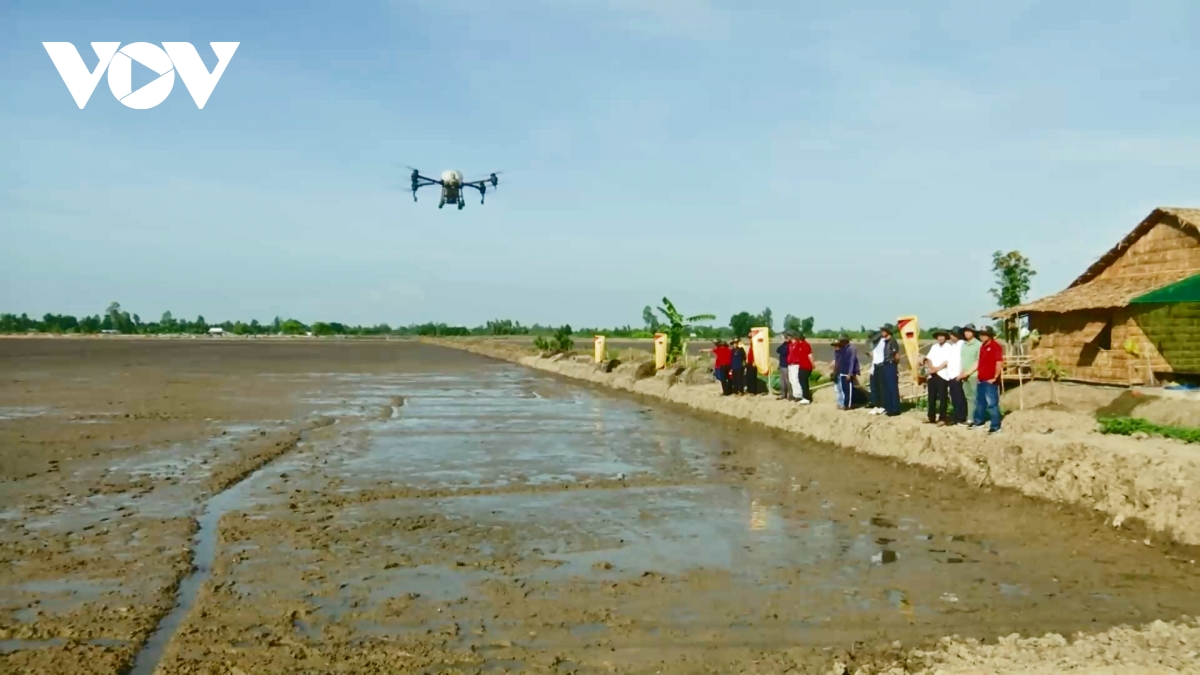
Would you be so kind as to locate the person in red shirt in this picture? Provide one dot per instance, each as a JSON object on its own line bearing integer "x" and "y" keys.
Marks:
{"x": 723, "y": 366}
{"x": 800, "y": 367}
{"x": 987, "y": 397}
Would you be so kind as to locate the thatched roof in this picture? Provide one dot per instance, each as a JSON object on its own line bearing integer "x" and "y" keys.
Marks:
{"x": 1184, "y": 219}
{"x": 1087, "y": 292}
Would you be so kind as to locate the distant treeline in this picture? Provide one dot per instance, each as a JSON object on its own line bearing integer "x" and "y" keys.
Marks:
{"x": 115, "y": 319}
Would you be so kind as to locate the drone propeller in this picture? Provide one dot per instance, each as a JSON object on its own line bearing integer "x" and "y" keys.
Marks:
{"x": 495, "y": 182}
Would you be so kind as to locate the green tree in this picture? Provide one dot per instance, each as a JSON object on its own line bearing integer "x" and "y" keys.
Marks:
{"x": 114, "y": 316}
{"x": 795, "y": 323}
{"x": 1013, "y": 274}
{"x": 292, "y": 327}
{"x": 678, "y": 326}
{"x": 741, "y": 323}
{"x": 766, "y": 319}
{"x": 562, "y": 339}
{"x": 650, "y": 319}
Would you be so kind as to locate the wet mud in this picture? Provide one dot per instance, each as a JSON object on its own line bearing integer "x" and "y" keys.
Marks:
{"x": 382, "y": 507}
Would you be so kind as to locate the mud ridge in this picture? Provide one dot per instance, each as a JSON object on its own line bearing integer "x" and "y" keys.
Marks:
{"x": 203, "y": 549}
{"x": 1057, "y": 457}
{"x": 369, "y": 495}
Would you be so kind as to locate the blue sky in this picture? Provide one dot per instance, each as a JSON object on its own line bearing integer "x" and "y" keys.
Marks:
{"x": 849, "y": 161}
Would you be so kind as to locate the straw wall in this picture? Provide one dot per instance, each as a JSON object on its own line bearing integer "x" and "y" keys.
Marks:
{"x": 1174, "y": 330}
{"x": 1168, "y": 334}
{"x": 1166, "y": 251}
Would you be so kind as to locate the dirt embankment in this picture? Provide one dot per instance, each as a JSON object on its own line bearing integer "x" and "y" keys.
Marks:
{"x": 1049, "y": 454}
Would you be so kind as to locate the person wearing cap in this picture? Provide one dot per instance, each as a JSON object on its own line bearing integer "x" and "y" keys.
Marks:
{"x": 953, "y": 371}
{"x": 845, "y": 371}
{"x": 785, "y": 389}
{"x": 800, "y": 367}
{"x": 935, "y": 363}
{"x": 885, "y": 374}
{"x": 970, "y": 365}
{"x": 987, "y": 402}
{"x": 722, "y": 357}
{"x": 738, "y": 367}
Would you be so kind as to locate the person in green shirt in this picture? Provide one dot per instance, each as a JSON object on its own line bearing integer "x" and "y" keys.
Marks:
{"x": 970, "y": 366}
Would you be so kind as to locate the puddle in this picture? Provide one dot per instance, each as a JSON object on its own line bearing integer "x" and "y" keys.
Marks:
{"x": 22, "y": 412}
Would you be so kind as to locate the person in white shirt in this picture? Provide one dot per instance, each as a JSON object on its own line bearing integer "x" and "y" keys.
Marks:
{"x": 936, "y": 362}
{"x": 958, "y": 397}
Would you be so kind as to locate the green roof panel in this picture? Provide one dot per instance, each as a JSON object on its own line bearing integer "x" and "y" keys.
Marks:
{"x": 1187, "y": 290}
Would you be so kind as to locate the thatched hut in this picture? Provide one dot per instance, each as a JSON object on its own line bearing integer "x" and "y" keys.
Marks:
{"x": 1134, "y": 312}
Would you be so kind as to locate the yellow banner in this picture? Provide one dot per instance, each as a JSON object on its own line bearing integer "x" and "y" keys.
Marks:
{"x": 599, "y": 346}
{"x": 910, "y": 335}
{"x": 660, "y": 350}
{"x": 760, "y": 342}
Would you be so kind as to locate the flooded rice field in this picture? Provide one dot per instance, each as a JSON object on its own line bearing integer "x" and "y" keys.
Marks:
{"x": 198, "y": 506}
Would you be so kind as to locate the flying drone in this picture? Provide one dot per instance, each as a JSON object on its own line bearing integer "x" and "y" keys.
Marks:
{"x": 453, "y": 186}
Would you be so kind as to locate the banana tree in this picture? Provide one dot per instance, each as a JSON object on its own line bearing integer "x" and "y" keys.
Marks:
{"x": 677, "y": 327}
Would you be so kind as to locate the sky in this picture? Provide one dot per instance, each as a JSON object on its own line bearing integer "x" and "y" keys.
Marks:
{"x": 853, "y": 162}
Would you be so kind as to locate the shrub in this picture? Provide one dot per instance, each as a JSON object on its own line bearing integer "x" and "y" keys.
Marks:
{"x": 1127, "y": 426}
{"x": 562, "y": 339}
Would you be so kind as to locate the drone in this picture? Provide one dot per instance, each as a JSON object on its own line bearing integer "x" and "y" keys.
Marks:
{"x": 453, "y": 186}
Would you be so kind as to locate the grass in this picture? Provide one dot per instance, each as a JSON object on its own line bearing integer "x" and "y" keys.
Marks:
{"x": 1127, "y": 426}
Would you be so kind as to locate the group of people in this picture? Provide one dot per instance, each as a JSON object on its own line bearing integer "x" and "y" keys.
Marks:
{"x": 733, "y": 367}
{"x": 962, "y": 369}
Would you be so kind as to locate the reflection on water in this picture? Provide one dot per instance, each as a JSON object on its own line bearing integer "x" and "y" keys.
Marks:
{"x": 759, "y": 516}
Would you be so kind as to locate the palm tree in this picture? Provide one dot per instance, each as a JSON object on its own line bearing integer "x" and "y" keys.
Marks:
{"x": 678, "y": 326}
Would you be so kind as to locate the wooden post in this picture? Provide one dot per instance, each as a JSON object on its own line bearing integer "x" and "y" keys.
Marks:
{"x": 1020, "y": 388}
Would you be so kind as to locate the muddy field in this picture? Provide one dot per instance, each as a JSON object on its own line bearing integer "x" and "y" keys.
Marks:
{"x": 209, "y": 506}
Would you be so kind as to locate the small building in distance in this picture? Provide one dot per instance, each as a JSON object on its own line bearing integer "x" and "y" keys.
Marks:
{"x": 1134, "y": 312}
{"x": 216, "y": 330}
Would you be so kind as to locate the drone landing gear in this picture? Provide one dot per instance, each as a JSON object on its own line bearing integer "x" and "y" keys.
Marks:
{"x": 441, "y": 202}
{"x": 461, "y": 203}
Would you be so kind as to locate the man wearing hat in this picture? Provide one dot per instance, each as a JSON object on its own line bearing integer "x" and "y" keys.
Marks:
{"x": 800, "y": 367}
{"x": 785, "y": 389}
{"x": 738, "y": 366}
{"x": 722, "y": 359}
{"x": 935, "y": 364}
{"x": 845, "y": 371}
{"x": 970, "y": 364}
{"x": 952, "y": 374}
{"x": 991, "y": 357}
{"x": 885, "y": 376}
